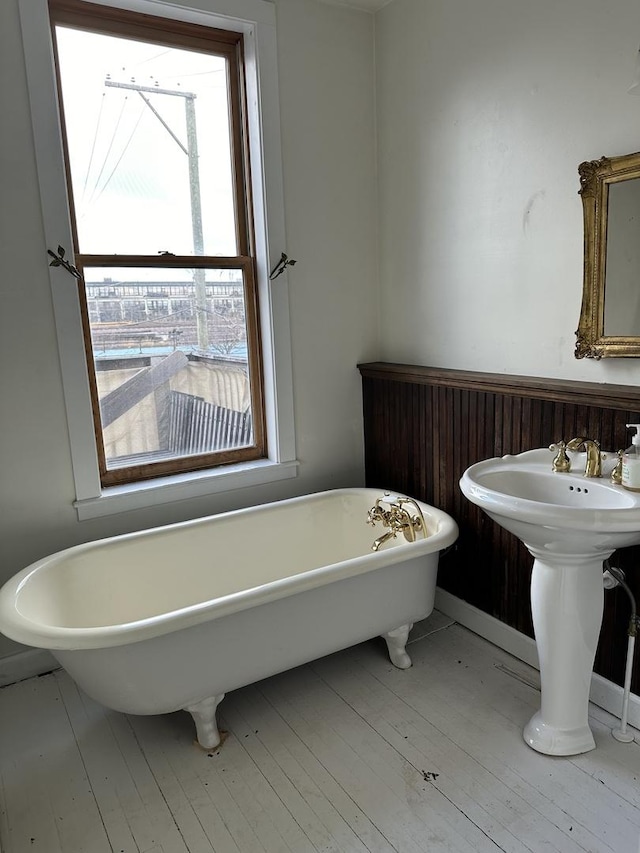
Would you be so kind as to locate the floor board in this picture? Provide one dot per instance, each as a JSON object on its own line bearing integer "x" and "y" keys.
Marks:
{"x": 345, "y": 755}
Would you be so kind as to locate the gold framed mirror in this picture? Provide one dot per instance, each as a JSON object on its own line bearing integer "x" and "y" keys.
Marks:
{"x": 609, "y": 324}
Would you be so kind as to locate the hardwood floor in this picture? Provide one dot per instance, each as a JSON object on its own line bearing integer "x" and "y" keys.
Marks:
{"x": 345, "y": 754}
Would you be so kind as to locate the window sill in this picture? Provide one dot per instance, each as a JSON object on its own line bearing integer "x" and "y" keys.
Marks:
{"x": 183, "y": 487}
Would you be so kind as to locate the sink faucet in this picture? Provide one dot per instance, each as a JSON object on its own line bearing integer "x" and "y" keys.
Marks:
{"x": 593, "y": 467}
{"x": 397, "y": 518}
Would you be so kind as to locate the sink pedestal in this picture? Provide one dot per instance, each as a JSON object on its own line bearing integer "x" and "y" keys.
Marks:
{"x": 567, "y": 598}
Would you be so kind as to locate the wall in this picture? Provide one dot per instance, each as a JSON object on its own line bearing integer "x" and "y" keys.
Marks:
{"x": 326, "y": 69}
{"x": 443, "y": 421}
{"x": 484, "y": 112}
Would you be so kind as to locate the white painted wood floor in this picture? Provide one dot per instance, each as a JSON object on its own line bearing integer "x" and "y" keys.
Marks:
{"x": 345, "y": 754}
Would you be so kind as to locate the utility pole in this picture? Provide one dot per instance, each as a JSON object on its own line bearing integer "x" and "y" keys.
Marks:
{"x": 191, "y": 150}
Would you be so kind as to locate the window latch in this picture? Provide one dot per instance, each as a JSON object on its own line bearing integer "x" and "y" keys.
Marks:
{"x": 59, "y": 260}
{"x": 281, "y": 266}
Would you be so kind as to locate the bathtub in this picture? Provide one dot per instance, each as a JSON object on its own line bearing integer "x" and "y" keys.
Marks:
{"x": 174, "y": 617}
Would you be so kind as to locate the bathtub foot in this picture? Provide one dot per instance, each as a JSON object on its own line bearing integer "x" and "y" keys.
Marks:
{"x": 204, "y": 716}
{"x": 396, "y": 641}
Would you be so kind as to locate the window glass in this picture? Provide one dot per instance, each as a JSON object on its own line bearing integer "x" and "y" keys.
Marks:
{"x": 147, "y": 129}
{"x": 170, "y": 353}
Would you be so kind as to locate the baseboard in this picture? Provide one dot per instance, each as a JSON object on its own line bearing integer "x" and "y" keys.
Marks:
{"x": 25, "y": 664}
{"x": 604, "y": 693}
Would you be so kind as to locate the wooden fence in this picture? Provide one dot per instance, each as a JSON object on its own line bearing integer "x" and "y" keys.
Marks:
{"x": 196, "y": 426}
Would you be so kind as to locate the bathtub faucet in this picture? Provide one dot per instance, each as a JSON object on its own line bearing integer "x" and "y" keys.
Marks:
{"x": 397, "y": 518}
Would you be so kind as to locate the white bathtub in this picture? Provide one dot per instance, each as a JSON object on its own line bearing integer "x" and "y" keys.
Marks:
{"x": 172, "y": 618}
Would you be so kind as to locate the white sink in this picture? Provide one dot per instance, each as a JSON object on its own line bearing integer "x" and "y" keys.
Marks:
{"x": 570, "y": 524}
{"x": 565, "y": 513}
{"x": 544, "y": 487}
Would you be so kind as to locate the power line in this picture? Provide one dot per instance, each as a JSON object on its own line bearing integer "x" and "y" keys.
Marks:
{"x": 93, "y": 146}
{"x": 106, "y": 156}
{"x": 124, "y": 151}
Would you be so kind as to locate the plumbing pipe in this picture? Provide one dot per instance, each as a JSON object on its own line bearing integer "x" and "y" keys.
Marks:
{"x": 617, "y": 576}
{"x": 609, "y": 581}
{"x": 621, "y": 733}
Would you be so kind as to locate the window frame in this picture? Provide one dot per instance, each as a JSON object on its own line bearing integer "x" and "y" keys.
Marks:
{"x": 256, "y": 20}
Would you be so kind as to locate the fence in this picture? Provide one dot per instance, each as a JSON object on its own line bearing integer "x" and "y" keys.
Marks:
{"x": 196, "y": 426}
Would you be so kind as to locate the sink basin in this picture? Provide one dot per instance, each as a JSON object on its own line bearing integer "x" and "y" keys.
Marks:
{"x": 568, "y": 490}
{"x": 570, "y": 524}
{"x": 557, "y": 511}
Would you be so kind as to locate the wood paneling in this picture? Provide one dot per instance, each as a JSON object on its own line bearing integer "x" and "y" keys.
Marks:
{"x": 425, "y": 426}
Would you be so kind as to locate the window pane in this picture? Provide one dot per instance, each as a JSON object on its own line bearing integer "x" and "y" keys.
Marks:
{"x": 149, "y": 146}
{"x": 170, "y": 354}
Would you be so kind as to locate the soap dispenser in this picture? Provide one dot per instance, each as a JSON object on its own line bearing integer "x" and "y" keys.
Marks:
{"x": 631, "y": 462}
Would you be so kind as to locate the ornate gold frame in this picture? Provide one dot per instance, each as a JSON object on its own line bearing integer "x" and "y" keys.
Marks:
{"x": 595, "y": 178}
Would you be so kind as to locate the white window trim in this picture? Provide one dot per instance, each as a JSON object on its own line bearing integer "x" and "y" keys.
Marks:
{"x": 256, "y": 19}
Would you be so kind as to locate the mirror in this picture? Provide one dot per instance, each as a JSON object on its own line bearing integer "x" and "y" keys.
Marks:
{"x": 610, "y": 316}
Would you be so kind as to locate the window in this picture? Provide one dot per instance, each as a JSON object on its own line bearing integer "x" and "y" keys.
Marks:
{"x": 174, "y": 346}
{"x": 157, "y": 167}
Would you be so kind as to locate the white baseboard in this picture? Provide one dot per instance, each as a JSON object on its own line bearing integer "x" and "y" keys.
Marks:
{"x": 26, "y": 664}
{"x": 603, "y": 693}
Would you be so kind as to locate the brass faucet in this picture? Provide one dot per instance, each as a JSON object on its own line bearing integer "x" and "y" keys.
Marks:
{"x": 593, "y": 468}
{"x": 397, "y": 518}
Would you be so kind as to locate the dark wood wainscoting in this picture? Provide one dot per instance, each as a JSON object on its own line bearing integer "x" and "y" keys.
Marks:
{"x": 423, "y": 426}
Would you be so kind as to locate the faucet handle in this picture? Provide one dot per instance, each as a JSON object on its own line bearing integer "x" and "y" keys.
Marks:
{"x": 616, "y": 474}
{"x": 376, "y": 513}
{"x": 561, "y": 463}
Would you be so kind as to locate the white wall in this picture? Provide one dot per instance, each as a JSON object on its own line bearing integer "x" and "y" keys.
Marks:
{"x": 484, "y": 112}
{"x": 326, "y": 74}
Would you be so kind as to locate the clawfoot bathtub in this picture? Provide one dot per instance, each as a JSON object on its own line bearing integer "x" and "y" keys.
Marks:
{"x": 172, "y": 618}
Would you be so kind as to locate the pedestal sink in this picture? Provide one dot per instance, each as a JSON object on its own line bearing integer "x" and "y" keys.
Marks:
{"x": 570, "y": 524}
